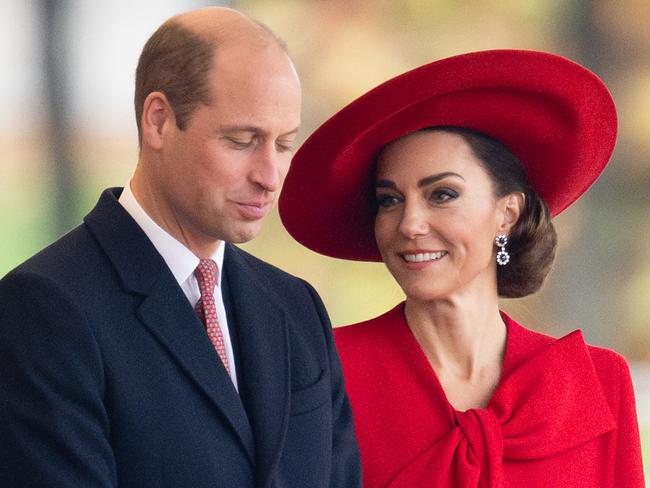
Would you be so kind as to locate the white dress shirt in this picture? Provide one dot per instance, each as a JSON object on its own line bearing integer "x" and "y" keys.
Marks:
{"x": 182, "y": 263}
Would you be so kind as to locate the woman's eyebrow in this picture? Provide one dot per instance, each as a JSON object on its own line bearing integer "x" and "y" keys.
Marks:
{"x": 427, "y": 180}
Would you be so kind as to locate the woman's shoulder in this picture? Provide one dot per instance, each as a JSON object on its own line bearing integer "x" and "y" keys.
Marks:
{"x": 373, "y": 327}
{"x": 605, "y": 358}
{"x": 362, "y": 341}
{"x": 591, "y": 378}
{"x": 609, "y": 365}
{"x": 612, "y": 369}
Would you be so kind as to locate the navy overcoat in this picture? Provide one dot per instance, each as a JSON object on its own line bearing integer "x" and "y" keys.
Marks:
{"x": 107, "y": 377}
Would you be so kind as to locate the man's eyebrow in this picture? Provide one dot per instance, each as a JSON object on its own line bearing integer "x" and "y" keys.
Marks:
{"x": 253, "y": 129}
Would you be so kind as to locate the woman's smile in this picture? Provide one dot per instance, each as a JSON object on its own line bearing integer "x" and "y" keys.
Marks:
{"x": 419, "y": 256}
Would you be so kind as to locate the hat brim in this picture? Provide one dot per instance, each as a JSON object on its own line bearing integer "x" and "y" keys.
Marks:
{"x": 557, "y": 117}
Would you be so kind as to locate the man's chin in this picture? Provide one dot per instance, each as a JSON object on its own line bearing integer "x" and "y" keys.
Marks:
{"x": 244, "y": 233}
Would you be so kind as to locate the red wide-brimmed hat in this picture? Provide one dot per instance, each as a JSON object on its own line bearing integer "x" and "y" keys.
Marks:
{"x": 556, "y": 116}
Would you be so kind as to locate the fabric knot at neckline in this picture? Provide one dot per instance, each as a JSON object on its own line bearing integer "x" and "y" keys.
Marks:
{"x": 554, "y": 387}
{"x": 482, "y": 431}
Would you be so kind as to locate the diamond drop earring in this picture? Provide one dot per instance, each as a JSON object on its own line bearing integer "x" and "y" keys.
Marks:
{"x": 503, "y": 257}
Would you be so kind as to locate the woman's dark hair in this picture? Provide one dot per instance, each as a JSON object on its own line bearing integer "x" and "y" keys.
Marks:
{"x": 532, "y": 241}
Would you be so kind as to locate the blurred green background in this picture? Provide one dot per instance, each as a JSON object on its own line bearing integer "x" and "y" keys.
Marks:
{"x": 67, "y": 131}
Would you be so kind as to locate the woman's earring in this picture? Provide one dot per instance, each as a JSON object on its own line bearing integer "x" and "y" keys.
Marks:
{"x": 503, "y": 257}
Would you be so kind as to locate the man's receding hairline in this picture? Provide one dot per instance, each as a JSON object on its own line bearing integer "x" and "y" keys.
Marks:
{"x": 228, "y": 30}
{"x": 194, "y": 40}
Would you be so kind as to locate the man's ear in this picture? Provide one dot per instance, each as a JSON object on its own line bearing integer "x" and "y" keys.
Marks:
{"x": 512, "y": 206}
{"x": 157, "y": 115}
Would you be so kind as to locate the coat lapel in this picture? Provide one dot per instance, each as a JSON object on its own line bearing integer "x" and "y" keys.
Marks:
{"x": 170, "y": 318}
{"x": 264, "y": 345}
{"x": 164, "y": 311}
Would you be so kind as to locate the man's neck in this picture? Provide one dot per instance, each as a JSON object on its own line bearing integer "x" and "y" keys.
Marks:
{"x": 165, "y": 219}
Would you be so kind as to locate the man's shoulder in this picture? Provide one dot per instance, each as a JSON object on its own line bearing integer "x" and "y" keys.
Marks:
{"x": 292, "y": 293}
{"x": 55, "y": 276}
{"x": 264, "y": 270}
{"x": 76, "y": 251}
{"x": 64, "y": 256}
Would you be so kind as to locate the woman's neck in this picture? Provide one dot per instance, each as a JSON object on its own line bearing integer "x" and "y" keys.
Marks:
{"x": 464, "y": 340}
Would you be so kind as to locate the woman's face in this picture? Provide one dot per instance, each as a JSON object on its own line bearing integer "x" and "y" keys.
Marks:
{"x": 437, "y": 216}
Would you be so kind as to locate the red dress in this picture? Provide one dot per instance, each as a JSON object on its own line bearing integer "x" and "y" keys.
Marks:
{"x": 563, "y": 414}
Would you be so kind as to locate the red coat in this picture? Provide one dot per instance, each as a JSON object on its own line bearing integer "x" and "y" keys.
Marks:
{"x": 563, "y": 414}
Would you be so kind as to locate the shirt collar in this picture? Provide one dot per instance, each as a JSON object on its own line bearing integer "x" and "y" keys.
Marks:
{"x": 181, "y": 261}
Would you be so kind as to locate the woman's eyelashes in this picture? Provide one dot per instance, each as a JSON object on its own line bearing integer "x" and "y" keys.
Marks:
{"x": 387, "y": 200}
{"x": 436, "y": 196}
{"x": 442, "y": 195}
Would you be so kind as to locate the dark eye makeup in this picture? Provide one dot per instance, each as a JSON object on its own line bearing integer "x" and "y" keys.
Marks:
{"x": 441, "y": 195}
{"x": 387, "y": 200}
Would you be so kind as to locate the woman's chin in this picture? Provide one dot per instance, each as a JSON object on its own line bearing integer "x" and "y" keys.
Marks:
{"x": 425, "y": 293}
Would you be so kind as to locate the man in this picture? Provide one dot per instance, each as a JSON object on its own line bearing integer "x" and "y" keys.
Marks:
{"x": 143, "y": 349}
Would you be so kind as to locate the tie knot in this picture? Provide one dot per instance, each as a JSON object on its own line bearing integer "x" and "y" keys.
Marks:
{"x": 206, "y": 275}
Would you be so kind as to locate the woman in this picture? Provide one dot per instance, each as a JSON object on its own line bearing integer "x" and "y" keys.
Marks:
{"x": 421, "y": 173}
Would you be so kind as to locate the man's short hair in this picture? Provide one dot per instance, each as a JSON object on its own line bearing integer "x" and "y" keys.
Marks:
{"x": 177, "y": 62}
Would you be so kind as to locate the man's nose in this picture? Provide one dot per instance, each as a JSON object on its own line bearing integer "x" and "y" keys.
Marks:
{"x": 266, "y": 168}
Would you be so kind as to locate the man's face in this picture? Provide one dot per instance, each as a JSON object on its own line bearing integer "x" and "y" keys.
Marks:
{"x": 219, "y": 177}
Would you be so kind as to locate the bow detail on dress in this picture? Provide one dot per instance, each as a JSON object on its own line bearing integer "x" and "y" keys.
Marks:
{"x": 549, "y": 404}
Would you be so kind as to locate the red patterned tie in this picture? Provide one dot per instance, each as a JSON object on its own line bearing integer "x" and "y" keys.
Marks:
{"x": 206, "y": 275}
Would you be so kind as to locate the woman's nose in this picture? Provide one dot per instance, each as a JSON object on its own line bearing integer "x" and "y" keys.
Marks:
{"x": 414, "y": 222}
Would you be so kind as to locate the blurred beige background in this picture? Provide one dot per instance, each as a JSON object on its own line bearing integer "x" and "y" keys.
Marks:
{"x": 67, "y": 131}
